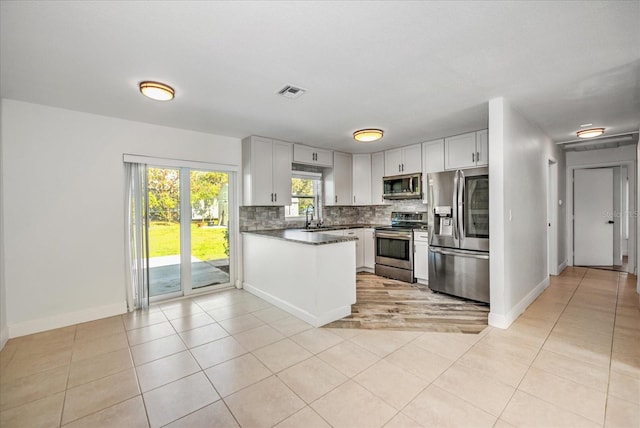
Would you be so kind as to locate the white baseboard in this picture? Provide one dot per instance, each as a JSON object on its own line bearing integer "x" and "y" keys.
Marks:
{"x": 504, "y": 321}
{"x": 365, "y": 269}
{"x": 562, "y": 267}
{"x": 67, "y": 319}
{"x": 314, "y": 320}
{"x": 4, "y": 336}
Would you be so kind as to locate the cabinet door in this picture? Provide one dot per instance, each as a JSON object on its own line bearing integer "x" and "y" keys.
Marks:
{"x": 482, "y": 148}
{"x": 362, "y": 179}
{"x": 359, "y": 245}
{"x": 342, "y": 174}
{"x": 303, "y": 154}
{"x": 377, "y": 172}
{"x": 412, "y": 159}
{"x": 393, "y": 162}
{"x": 261, "y": 171}
{"x": 324, "y": 157}
{"x": 460, "y": 151}
{"x": 433, "y": 156}
{"x": 369, "y": 244}
{"x": 281, "y": 173}
{"x": 421, "y": 260}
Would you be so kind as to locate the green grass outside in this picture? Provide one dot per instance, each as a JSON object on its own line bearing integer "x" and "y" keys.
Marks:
{"x": 207, "y": 243}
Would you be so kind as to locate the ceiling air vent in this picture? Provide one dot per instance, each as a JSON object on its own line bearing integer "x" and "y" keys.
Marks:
{"x": 291, "y": 91}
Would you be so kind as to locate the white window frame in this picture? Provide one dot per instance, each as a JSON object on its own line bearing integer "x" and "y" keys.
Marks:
{"x": 317, "y": 197}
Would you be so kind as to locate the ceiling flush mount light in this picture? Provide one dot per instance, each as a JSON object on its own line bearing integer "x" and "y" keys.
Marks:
{"x": 368, "y": 135}
{"x": 157, "y": 91}
{"x": 590, "y": 133}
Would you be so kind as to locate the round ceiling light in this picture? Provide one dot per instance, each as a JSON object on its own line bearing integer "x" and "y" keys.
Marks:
{"x": 590, "y": 133}
{"x": 157, "y": 91}
{"x": 368, "y": 135}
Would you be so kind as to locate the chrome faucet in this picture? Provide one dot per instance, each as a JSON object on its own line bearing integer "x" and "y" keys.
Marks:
{"x": 307, "y": 211}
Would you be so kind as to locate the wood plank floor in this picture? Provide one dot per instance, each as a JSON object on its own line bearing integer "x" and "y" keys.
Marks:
{"x": 383, "y": 303}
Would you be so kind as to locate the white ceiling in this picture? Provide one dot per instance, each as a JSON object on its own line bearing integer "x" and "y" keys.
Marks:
{"x": 418, "y": 70}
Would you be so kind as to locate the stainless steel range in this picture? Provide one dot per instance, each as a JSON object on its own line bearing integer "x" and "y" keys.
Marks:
{"x": 394, "y": 245}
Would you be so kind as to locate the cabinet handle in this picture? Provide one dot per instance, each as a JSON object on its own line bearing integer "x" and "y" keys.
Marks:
{"x": 354, "y": 199}
{"x": 336, "y": 199}
{"x": 402, "y": 167}
{"x": 275, "y": 197}
{"x": 272, "y": 197}
{"x": 473, "y": 157}
{"x": 477, "y": 156}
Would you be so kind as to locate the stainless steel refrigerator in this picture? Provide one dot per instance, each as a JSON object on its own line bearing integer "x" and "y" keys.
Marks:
{"x": 459, "y": 233}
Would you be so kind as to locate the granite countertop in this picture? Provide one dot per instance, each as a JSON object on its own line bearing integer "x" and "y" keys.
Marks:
{"x": 302, "y": 236}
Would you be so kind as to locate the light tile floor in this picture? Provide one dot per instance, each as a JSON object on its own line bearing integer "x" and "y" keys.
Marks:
{"x": 230, "y": 359}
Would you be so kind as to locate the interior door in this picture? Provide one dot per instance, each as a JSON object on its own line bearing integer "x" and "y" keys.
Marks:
{"x": 593, "y": 217}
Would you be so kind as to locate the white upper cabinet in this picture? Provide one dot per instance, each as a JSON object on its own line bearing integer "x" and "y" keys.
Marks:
{"x": 266, "y": 171}
{"x": 405, "y": 160}
{"x": 482, "y": 148}
{"x": 362, "y": 179}
{"x": 433, "y": 156}
{"x": 338, "y": 180}
{"x": 466, "y": 150}
{"x": 377, "y": 172}
{"x": 312, "y": 156}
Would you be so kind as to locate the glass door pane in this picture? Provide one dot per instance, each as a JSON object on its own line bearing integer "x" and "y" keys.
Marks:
{"x": 209, "y": 228}
{"x": 164, "y": 231}
{"x": 476, "y": 207}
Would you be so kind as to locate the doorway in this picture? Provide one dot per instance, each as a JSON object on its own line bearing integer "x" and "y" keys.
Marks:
{"x": 187, "y": 229}
{"x": 617, "y": 216}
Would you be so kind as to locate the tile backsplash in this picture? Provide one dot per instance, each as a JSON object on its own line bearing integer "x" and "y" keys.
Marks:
{"x": 261, "y": 218}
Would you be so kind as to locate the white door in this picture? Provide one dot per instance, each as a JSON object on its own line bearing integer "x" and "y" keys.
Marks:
{"x": 593, "y": 217}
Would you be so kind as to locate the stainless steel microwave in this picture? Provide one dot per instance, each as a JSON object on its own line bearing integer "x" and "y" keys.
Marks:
{"x": 407, "y": 186}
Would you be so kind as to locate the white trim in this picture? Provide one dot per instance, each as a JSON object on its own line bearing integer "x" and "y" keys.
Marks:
{"x": 562, "y": 267}
{"x": 306, "y": 174}
{"x": 327, "y": 317}
{"x": 66, "y": 319}
{"x": 504, "y": 321}
{"x": 179, "y": 163}
{"x": 4, "y": 336}
{"x": 552, "y": 215}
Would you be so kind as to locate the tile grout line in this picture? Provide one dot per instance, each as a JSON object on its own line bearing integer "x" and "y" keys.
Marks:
{"x": 615, "y": 317}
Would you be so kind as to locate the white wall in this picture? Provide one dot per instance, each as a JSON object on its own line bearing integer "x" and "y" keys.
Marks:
{"x": 4, "y": 329}
{"x": 625, "y": 155}
{"x": 519, "y": 155}
{"x": 63, "y": 203}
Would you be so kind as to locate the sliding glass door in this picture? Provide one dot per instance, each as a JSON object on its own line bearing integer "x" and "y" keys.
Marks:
{"x": 188, "y": 234}
{"x": 209, "y": 231}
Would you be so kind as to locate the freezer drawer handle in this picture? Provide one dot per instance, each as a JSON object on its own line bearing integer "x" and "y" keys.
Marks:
{"x": 459, "y": 253}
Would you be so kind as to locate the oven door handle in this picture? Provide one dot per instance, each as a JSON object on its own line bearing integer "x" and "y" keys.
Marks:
{"x": 393, "y": 236}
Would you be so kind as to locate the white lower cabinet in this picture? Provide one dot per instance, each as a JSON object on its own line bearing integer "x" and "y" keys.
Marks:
{"x": 369, "y": 243}
{"x": 421, "y": 256}
{"x": 358, "y": 233}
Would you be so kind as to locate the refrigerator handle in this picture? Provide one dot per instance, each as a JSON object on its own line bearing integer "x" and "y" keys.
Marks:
{"x": 461, "y": 190}
{"x": 454, "y": 206}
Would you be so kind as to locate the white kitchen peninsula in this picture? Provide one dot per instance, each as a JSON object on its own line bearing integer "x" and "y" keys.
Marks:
{"x": 311, "y": 275}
